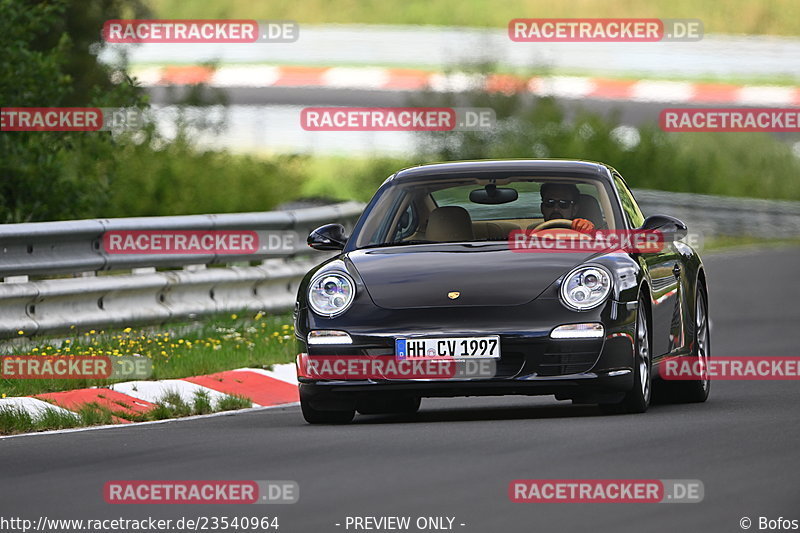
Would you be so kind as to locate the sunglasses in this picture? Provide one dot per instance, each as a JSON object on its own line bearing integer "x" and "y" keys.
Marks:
{"x": 562, "y": 204}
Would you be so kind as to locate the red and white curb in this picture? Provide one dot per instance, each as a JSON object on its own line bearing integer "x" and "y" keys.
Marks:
{"x": 393, "y": 79}
{"x": 265, "y": 388}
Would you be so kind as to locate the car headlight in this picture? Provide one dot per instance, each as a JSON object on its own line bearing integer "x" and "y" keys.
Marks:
{"x": 331, "y": 293}
{"x": 586, "y": 287}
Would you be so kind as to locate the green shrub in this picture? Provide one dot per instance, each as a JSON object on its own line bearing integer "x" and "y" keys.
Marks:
{"x": 734, "y": 164}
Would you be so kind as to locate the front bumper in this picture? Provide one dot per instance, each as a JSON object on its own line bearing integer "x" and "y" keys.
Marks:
{"x": 531, "y": 363}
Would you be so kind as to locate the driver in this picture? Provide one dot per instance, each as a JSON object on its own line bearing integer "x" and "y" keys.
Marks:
{"x": 560, "y": 200}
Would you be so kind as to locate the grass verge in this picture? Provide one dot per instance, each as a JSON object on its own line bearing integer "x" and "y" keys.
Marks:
{"x": 728, "y": 243}
{"x": 224, "y": 343}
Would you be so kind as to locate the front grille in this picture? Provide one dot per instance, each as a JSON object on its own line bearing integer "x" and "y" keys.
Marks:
{"x": 544, "y": 358}
{"x": 562, "y": 357}
{"x": 569, "y": 363}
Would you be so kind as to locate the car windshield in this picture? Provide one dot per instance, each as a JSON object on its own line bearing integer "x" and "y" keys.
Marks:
{"x": 481, "y": 209}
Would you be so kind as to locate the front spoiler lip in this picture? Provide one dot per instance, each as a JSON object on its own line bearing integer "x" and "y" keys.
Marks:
{"x": 621, "y": 375}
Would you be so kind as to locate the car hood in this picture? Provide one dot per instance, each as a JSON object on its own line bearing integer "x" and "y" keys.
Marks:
{"x": 484, "y": 274}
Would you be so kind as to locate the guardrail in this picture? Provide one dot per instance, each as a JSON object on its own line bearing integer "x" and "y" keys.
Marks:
{"x": 97, "y": 289}
{"x": 714, "y": 216}
{"x": 87, "y": 288}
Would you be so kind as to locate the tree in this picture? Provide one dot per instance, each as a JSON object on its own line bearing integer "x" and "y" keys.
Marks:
{"x": 49, "y": 60}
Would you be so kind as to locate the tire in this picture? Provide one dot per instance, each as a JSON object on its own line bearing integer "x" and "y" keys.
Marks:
{"x": 315, "y": 416}
{"x": 398, "y": 405}
{"x": 694, "y": 391}
{"x": 637, "y": 400}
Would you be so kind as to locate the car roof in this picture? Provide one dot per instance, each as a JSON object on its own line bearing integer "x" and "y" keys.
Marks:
{"x": 491, "y": 167}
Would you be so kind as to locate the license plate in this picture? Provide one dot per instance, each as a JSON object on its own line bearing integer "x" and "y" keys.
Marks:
{"x": 457, "y": 347}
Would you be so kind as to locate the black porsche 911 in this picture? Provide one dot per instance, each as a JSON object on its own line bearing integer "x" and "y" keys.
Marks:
{"x": 430, "y": 271}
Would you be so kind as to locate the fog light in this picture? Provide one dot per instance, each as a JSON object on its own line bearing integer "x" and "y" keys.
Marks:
{"x": 329, "y": 336}
{"x": 590, "y": 330}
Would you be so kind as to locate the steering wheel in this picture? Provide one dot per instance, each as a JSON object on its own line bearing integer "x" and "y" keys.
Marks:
{"x": 555, "y": 223}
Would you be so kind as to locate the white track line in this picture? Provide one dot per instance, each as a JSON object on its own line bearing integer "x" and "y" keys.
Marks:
{"x": 137, "y": 424}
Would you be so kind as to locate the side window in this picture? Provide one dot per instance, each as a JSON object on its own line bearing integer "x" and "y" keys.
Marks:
{"x": 407, "y": 224}
{"x": 629, "y": 205}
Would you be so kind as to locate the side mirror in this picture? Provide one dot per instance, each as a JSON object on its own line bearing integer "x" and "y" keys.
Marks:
{"x": 666, "y": 224}
{"x": 327, "y": 237}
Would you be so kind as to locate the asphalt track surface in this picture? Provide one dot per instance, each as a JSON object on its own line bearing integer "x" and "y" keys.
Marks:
{"x": 457, "y": 456}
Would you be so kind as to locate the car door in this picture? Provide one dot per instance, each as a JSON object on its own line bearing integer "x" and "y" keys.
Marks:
{"x": 664, "y": 272}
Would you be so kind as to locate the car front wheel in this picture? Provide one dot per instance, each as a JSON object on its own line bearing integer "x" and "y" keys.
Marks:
{"x": 637, "y": 400}
{"x": 696, "y": 390}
